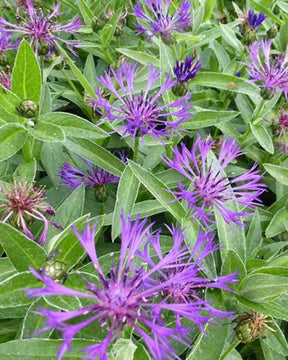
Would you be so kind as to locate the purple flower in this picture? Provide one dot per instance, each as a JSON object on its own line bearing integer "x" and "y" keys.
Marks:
{"x": 271, "y": 73}
{"x": 92, "y": 178}
{"x": 282, "y": 128}
{"x": 23, "y": 204}
{"x": 41, "y": 29}
{"x": 6, "y": 42}
{"x": 131, "y": 294}
{"x": 5, "y": 79}
{"x": 141, "y": 113}
{"x": 186, "y": 70}
{"x": 210, "y": 186}
{"x": 158, "y": 17}
{"x": 255, "y": 20}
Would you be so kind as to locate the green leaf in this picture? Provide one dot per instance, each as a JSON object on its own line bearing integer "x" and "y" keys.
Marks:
{"x": 205, "y": 118}
{"x": 226, "y": 82}
{"x": 270, "y": 354}
{"x": 52, "y": 157}
{"x": 8, "y": 106}
{"x": 26, "y": 76}
{"x": 21, "y": 251}
{"x": 278, "y": 224}
{"x": 167, "y": 60}
{"x": 254, "y": 236}
{"x": 74, "y": 125}
{"x": 77, "y": 72}
{"x": 263, "y": 137}
{"x": 125, "y": 199}
{"x": 230, "y": 37}
{"x": 47, "y": 132}
{"x": 209, "y": 6}
{"x": 96, "y": 154}
{"x": 280, "y": 173}
{"x": 26, "y": 171}
{"x": 262, "y": 287}
{"x": 139, "y": 56}
{"x": 70, "y": 210}
{"x": 159, "y": 190}
{"x": 123, "y": 349}
{"x": 11, "y": 290}
{"x": 86, "y": 12}
{"x": 6, "y": 268}
{"x": 12, "y": 139}
{"x": 283, "y": 34}
{"x": 233, "y": 263}
{"x": 266, "y": 11}
{"x": 71, "y": 251}
{"x": 41, "y": 349}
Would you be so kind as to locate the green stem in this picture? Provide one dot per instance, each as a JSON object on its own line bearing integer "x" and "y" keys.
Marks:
{"x": 230, "y": 348}
{"x": 175, "y": 51}
{"x": 136, "y": 148}
{"x": 260, "y": 109}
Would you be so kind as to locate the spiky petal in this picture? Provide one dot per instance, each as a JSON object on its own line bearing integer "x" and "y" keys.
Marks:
{"x": 210, "y": 186}
{"x": 255, "y": 20}
{"x": 187, "y": 69}
{"x": 128, "y": 295}
{"x": 282, "y": 128}
{"x": 141, "y": 113}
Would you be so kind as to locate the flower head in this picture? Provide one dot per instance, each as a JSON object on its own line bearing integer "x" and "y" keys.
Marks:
{"x": 23, "y": 204}
{"x": 141, "y": 113}
{"x": 255, "y": 20}
{"x": 6, "y": 43}
{"x": 210, "y": 186}
{"x": 130, "y": 295}
{"x": 186, "y": 70}
{"x": 41, "y": 29}
{"x": 282, "y": 128}
{"x": 156, "y": 17}
{"x": 270, "y": 72}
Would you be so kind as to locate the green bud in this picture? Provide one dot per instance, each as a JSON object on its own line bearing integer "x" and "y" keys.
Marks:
{"x": 266, "y": 94}
{"x": 28, "y": 109}
{"x": 43, "y": 48}
{"x": 180, "y": 89}
{"x": 249, "y": 36}
{"x": 272, "y": 32}
{"x": 101, "y": 193}
{"x": 97, "y": 23}
{"x": 55, "y": 269}
{"x": 118, "y": 31}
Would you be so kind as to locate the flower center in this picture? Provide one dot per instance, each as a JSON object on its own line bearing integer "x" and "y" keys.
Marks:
{"x": 210, "y": 188}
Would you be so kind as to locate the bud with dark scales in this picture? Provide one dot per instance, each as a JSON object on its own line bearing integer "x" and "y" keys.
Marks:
{"x": 97, "y": 23}
{"x": 28, "y": 109}
{"x": 55, "y": 270}
{"x": 44, "y": 48}
{"x": 251, "y": 327}
{"x": 266, "y": 94}
{"x": 101, "y": 193}
{"x": 272, "y": 32}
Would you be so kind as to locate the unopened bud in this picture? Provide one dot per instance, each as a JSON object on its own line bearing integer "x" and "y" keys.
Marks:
{"x": 43, "y": 48}
{"x": 118, "y": 31}
{"x": 180, "y": 89}
{"x": 101, "y": 193}
{"x": 55, "y": 270}
{"x": 272, "y": 32}
{"x": 28, "y": 109}
{"x": 266, "y": 94}
{"x": 97, "y": 23}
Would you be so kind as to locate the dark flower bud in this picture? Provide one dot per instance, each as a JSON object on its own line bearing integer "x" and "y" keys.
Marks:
{"x": 55, "y": 270}
{"x": 251, "y": 327}
{"x": 43, "y": 48}
{"x": 272, "y": 32}
{"x": 266, "y": 94}
{"x": 118, "y": 31}
{"x": 101, "y": 193}
{"x": 180, "y": 89}
{"x": 97, "y": 23}
{"x": 28, "y": 109}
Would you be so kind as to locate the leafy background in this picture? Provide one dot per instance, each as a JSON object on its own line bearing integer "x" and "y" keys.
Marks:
{"x": 65, "y": 129}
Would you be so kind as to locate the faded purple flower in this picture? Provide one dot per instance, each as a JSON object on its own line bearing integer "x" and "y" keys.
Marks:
{"x": 266, "y": 70}
{"x": 6, "y": 43}
{"x": 209, "y": 186}
{"x": 131, "y": 295}
{"x": 92, "y": 178}
{"x": 282, "y": 128}
{"x": 42, "y": 29}
{"x": 255, "y": 20}
{"x": 158, "y": 17}
{"x": 141, "y": 113}
{"x": 187, "y": 69}
{"x": 25, "y": 203}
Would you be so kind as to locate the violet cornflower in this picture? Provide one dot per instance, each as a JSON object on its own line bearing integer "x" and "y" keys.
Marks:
{"x": 141, "y": 113}
{"x": 25, "y": 203}
{"x": 269, "y": 72}
{"x": 5, "y": 79}
{"x": 157, "y": 18}
{"x": 42, "y": 29}
{"x": 210, "y": 185}
{"x": 255, "y": 20}
{"x": 6, "y": 43}
{"x": 282, "y": 128}
{"x": 186, "y": 70}
{"x": 127, "y": 296}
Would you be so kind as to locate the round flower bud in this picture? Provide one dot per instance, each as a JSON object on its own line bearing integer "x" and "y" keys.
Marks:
{"x": 97, "y": 23}
{"x": 55, "y": 269}
{"x": 272, "y": 32}
{"x": 249, "y": 36}
{"x": 266, "y": 94}
{"x": 180, "y": 89}
{"x": 118, "y": 31}
{"x": 28, "y": 109}
{"x": 43, "y": 48}
{"x": 101, "y": 193}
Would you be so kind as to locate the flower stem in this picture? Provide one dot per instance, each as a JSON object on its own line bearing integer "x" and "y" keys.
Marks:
{"x": 231, "y": 347}
{"x": 136, "y": 148}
